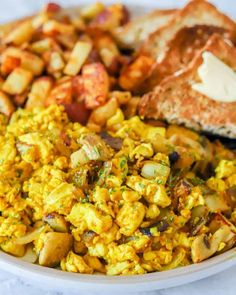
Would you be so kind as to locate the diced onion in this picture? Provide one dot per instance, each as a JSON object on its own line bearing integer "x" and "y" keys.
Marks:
{"x": 30, "y": 237}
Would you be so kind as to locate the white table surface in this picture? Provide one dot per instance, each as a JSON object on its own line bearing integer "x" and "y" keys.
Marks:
{"x": 221, "y": 284}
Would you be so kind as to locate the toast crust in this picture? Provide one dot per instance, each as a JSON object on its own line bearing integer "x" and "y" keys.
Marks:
{"x": 196, "y": 12}
{"x": 132, "y": 34}
{"x": 181, "y": 51}
{"x": 175, "y": 101}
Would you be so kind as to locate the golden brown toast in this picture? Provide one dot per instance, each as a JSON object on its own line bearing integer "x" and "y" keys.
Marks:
{"x": 181, "y": 51}
{"x": 196, "y": 12}
{"x": 175, "y": 101}
{"x": 136, "y": 31}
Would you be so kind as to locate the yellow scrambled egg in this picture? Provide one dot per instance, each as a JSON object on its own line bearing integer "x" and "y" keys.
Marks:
{"x": 134, "y": 199}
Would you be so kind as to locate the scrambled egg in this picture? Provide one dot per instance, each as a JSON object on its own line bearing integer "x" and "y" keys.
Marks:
{"x": 80, "y": 202}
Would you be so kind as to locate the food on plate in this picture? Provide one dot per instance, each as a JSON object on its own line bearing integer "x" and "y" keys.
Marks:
{"x": 135, "y": 32}
{"x": 196, "y": 12}
{"x": 213, "y": 111}
{"x": 99, "y": 173}
{"x": 133, "y": 199}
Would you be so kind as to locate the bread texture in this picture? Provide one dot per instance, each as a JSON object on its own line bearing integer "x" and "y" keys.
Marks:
{"x": 175, "y": 101}
{"x": 196, "y": 12}
{"x": 181, "y": 50}
{"x": 136, "y": 31}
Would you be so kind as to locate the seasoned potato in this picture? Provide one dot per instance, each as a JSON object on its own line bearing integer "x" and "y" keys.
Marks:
{"x": 135, "y": 73}
{"x": 29, "y": 61}
{"x": 6, "y": 106}
{"x": 77, "y": 58}
{"x": 22, "y": 33}
{"x": 95, "y": 84}
{"x": 18, "y": 81}
{"x": 39, "y": 92}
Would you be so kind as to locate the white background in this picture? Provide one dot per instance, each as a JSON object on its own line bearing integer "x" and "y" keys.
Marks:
{"x": 221, "y": 284}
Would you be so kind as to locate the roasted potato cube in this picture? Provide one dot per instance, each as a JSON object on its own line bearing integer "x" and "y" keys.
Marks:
{"x": 90, "y": 11}
{"x": 53, "y": 27}
{"x": 29, "y": 61}
{"x": 111, "y": 17}
{"x": 61, "y": 93}
{"x": 77, "y": 58}
{"x": 57, "y": 222}
{"x": 41, "y": 46}
{"x": 18, "y": 81}
{"x": 135, "y": 73}
{"x": 21, "y": 34}
{"x": 9, "y": 64}
{"x": 39, "y": 92}
{"x": 96, "y": 85}
{"x": 108, "y": 52}
{"x": 56, "y": 63}
{"x": 100, "y": 115}
{"x": 55, "y": 247}
{"x": 6, "y": 106}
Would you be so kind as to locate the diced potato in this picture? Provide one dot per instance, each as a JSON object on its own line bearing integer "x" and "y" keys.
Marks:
{"x": 41, "y": 46}
{"x": 9, "y": 64}
{"x": 108, "y": 52}
{"x": 18, "y": 81}
{"x": 55, "y": 247}
{"x": 29, "y": 61}
{"x": 77, "y": 58}
{"x": 90, "y": 11}
{"x": 123, "y": 97}
{"x": 100, "y": 115}
{"x": 61, "y": 93}
{"x": 96, "y": 85}
{"x": 6, "y": 106}
{"x": 135, "y": 73}
{"x": 53, "y": 27}
{"x": 56, "y": 63}
{"x": 21, "y": 34}
{"x": 111, "y": 17}
{"x": 39, "y": 92}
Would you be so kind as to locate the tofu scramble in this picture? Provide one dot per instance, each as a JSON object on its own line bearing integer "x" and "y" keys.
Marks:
{"x": 131, "y": 199}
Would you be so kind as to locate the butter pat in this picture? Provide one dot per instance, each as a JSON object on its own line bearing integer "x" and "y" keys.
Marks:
{"x": 218, "y": 79}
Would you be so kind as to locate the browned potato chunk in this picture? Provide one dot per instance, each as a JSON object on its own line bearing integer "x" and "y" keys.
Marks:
{"x": 111, "y": 17}
{"x": 29, "y": 61}
{"x": 17, "y": 81}
{"x": 39, "y": 92}
{"x": 77, "y": 58}
{"x": 52, "y": 28}
{"x": 57, "y": 222}
{"x": 21, "y": 34}
{"x": 56, "y": 246}
{"x": 61, "y": 93}
{"x": 96, "y": 85}
{"x": 9, "y": 64}
{"x": 135, "y": 73}
{"x": 6, "y": 106}
{"x": 108, "y": 52}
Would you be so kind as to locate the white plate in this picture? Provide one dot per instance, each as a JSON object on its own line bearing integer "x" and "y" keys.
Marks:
{"x": 55, "y": 279}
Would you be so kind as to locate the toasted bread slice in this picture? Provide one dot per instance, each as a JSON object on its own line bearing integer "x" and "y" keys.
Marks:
{"x": 136, "y": 31}
{"x": 196, "y": 12}
{"x": 177, "y": 102}
{"x": 181, "y": 51}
